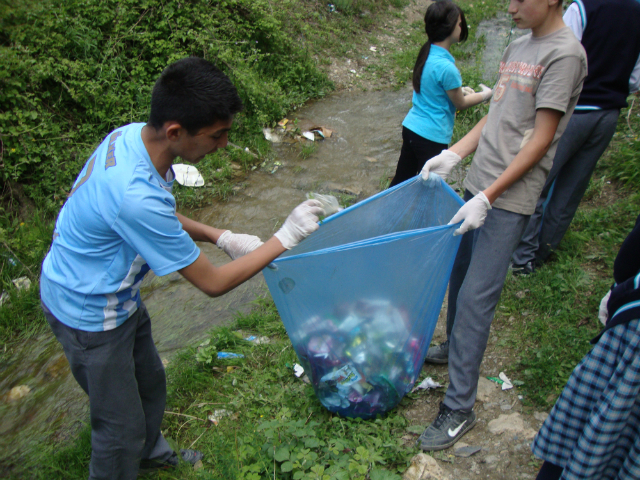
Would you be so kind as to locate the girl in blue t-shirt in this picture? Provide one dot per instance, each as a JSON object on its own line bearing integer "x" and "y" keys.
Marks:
{"x": 437, "y": 91}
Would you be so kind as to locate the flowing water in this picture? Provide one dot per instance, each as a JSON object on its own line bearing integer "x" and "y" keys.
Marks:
{"x": 355, "y": 163}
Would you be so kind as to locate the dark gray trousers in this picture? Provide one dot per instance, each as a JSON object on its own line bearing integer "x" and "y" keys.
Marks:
{"x": 123, "y": 375}
{"x": 475, "y": 285}
{"x": 583, "y": 142}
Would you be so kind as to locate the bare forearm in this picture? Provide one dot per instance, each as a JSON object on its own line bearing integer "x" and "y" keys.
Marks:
{"x": 199, "y": 232}
{"x": 470, "y": 101}
{"x": 469, "y": 143}
{"x": 216, "y": 281}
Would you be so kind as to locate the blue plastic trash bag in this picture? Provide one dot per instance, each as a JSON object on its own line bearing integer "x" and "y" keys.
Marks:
{"x": 360, "y": 297}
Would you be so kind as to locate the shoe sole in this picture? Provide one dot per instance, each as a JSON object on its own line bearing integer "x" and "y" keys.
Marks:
{"x": 454, "y": 440}
{"x": 438, "y": 361}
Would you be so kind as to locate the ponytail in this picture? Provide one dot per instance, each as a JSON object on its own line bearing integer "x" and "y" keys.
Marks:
{"x": 440, "y": 21}
{"x": 420, "y": 61}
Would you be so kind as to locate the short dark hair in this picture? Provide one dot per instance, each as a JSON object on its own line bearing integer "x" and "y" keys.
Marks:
{"x": 440, "y": 21}
{"x": 194, "y": 93}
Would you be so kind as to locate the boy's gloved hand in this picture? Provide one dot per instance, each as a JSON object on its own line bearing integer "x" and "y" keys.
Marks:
{"x": 237, "y": 244}
{"x": 300, "y": 223}
{"x": 603, "y": 311}
{"x": 441, "y": 164}
{"x": 486, "y": 92}
{"x": 473, "y": 213}
{"x": 467, "y": 91}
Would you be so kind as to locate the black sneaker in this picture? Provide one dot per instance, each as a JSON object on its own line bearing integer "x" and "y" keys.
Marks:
{"x": 438, "y": 353}
{"x": 189, "y": 456}
{"x": 526, "y": 269}
{"x": 448, "y": 427}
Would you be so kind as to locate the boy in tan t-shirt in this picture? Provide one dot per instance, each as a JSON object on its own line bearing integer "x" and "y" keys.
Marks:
{"x": 541, "y": 77}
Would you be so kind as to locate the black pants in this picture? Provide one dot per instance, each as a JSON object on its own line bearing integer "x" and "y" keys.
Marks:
{"x": 416, "y": 150}
{"x": 549, "y": 471}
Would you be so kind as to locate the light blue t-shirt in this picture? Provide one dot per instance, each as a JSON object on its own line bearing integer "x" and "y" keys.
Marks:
{"x": 433, "y": 113}
{"x": 118, "y": 222}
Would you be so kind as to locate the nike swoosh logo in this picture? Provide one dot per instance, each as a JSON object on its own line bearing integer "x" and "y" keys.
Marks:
{"x": 453, "y": 433}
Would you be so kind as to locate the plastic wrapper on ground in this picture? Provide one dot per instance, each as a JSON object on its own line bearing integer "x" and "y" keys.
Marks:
{"x": 361, "y": 296}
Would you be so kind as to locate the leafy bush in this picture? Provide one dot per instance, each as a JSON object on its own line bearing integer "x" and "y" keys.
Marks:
{"x": 74, "y": 70}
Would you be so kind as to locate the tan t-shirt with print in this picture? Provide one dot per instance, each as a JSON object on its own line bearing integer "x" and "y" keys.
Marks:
{"x": 535, "y": 72}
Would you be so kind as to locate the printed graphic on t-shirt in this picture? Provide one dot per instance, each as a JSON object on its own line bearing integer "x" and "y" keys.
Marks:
{"x": 519, "y": 75}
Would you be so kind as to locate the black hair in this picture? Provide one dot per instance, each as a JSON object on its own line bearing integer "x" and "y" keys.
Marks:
{"x": 194, "y": 93}
{"x": 440, "y": 21}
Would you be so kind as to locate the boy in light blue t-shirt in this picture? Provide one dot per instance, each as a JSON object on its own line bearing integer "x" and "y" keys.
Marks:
{"x": 119, "y": 222}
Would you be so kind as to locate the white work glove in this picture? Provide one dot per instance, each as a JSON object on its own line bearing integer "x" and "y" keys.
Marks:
{"x": 300, "y": 223}
{"x": 486, "y": 92}
{"x": 237, "y": 244}
{"x": 603, "y": 311}
{"x": 441, "y": 164}
{"x": 467, "y": 91}
{"x": 473, "y": 213}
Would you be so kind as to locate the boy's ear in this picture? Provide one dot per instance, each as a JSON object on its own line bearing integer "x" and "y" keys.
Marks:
{"x": 173, "y": 130}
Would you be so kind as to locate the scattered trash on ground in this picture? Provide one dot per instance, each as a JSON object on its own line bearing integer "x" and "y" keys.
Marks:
{"x": 22, "y": 282}
{"x": 271, "y": 136}
{"x": 309, "y": 136}
{"x": 187, "y": 175}
{"x": 16, "y": 393}
{"x": 226, "y": 355}
{"x": 506, "y": 383}
{"x": 217, "y": 415}
{"x": 322, "y": 131}
{"x": 373, "y": 49}
{"x": 298, "y": 370}
{"x": 426, "y": 384}
{"x": 466, "y": 451}
{"x": 258, "y": 340}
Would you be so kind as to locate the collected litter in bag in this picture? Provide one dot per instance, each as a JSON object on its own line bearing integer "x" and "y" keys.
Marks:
{"x": 360, "y": 297}
{"x": 329, "y": 203}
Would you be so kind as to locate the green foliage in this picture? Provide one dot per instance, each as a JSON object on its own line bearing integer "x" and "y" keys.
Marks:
{"x": 558, "y": 303}
{"x": 74, "y": 70}
{"x": 622, "y": 159}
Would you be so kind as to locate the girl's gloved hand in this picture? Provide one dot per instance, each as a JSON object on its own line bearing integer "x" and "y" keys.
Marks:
{"x": 300, "y": 223}
{"x": 467, "y": 91}
{"x": 237, "y": 244}
{"x": 441, "y": 164}
{"x": 486, "y": 92}
{"x": 473, "y": 213}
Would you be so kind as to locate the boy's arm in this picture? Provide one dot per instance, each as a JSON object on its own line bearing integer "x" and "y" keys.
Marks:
{"x": 215, "y": 281}
{"x": 473, "y": 213}
{"x": 469, "y": 143}
{"x": 443, "y": 163}
{"x": 544, "y": 130}
{"x": 199, "y": 232}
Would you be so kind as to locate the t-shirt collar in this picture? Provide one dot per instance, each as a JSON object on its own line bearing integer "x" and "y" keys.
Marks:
{"x": 441, "y": 52}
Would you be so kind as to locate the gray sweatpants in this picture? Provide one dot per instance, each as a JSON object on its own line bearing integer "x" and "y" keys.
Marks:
{"x": 476, "y": 282}
{"x": 583, "y": 142}
{"x": 123, "y": 375}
